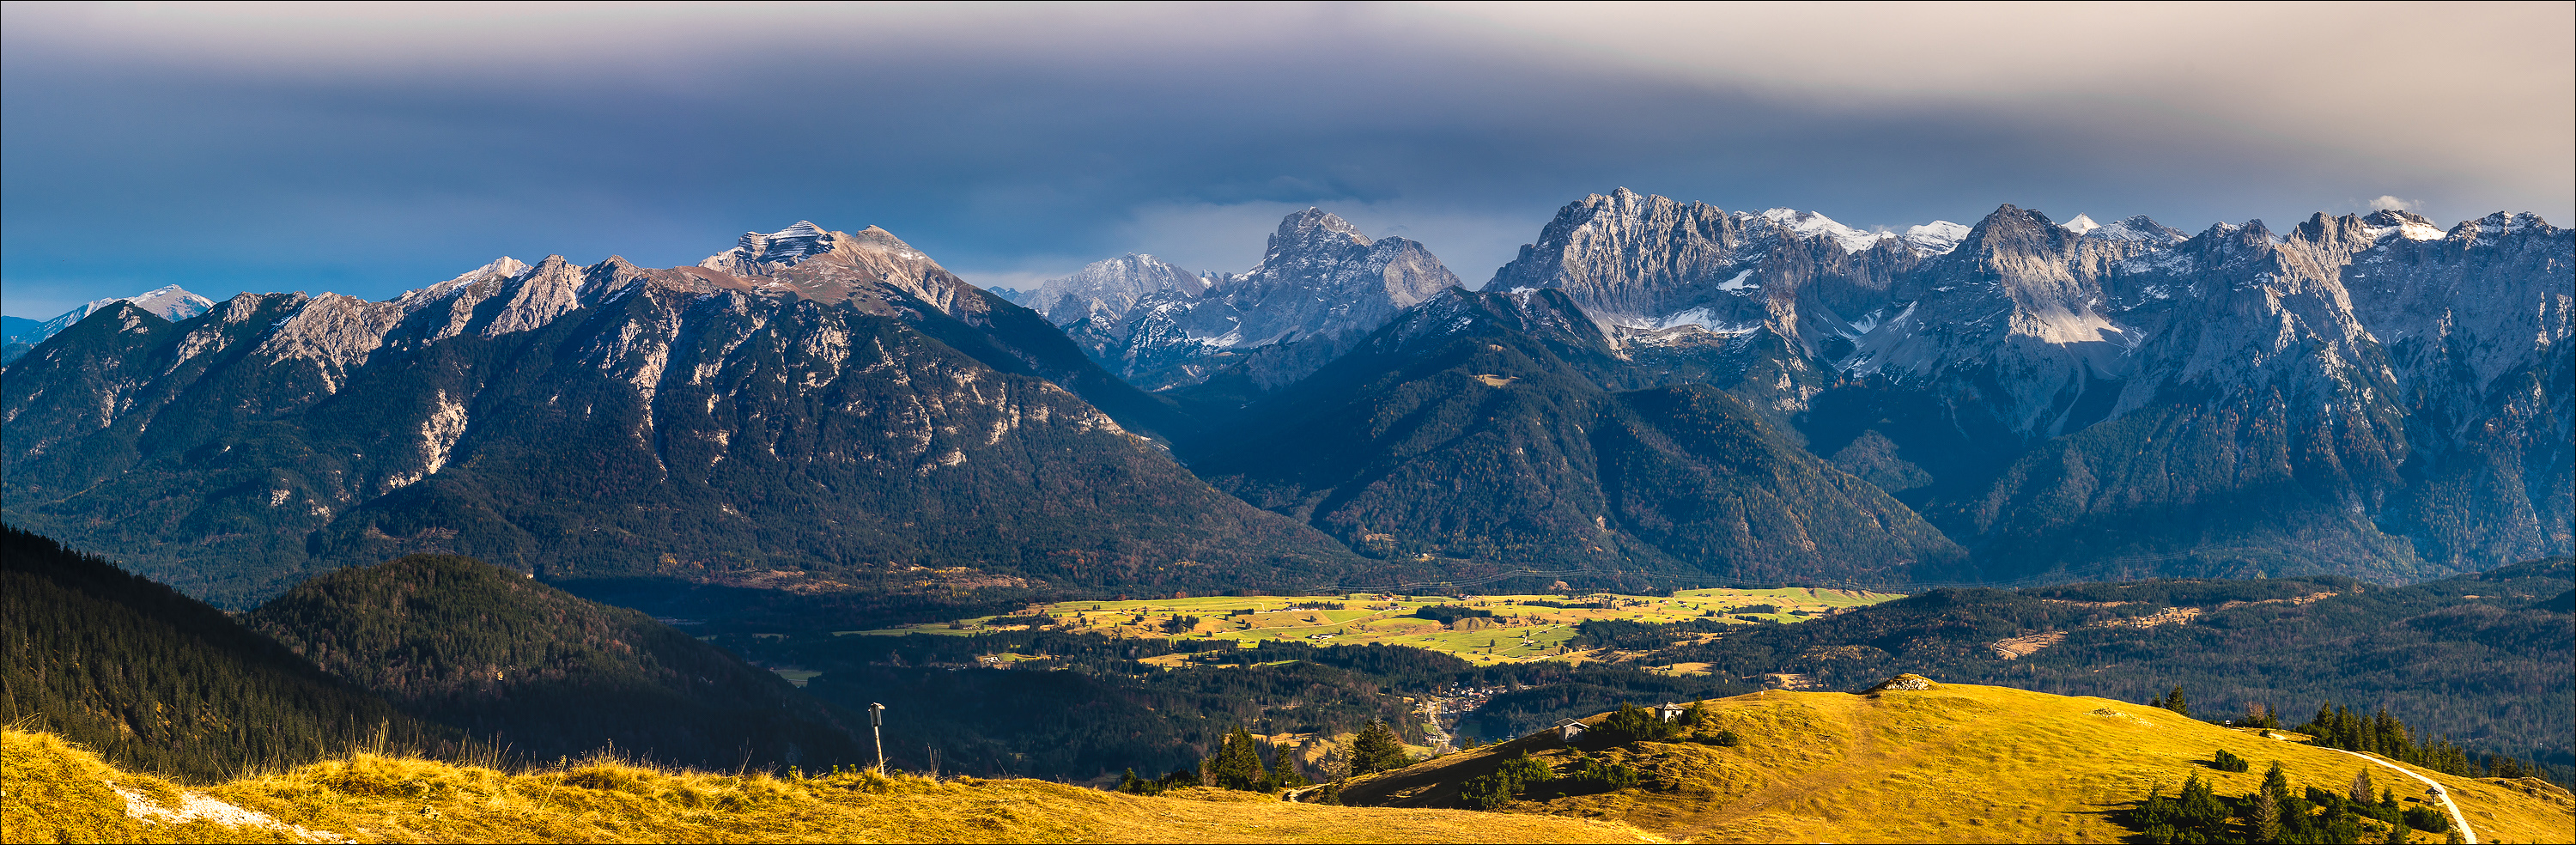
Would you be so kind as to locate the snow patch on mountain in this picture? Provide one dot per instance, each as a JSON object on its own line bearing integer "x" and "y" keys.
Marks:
{"x": 1809, "y": 224}
{"x": 783, "y": 248}
{"x": 1938, "y": 237}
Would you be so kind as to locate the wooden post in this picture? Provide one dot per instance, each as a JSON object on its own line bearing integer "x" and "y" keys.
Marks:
{"x": 876, "y": 730}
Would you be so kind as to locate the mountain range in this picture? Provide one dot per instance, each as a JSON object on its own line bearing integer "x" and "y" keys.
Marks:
{"x": 828, "y": 417}
{"x": 1653, "y": 393}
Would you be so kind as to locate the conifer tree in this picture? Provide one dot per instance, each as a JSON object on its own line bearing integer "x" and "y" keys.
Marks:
{"x": 1238, "y": 763}
{"x": 2361, "y": 790}
{"x": 1377, "y": 749}
{"x": 2267, "y": 817}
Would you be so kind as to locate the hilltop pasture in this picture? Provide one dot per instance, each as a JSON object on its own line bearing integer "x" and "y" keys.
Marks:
{"x": 1488, "y": 629}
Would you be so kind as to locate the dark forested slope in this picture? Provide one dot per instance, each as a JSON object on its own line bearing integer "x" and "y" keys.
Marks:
{"x": 1477, "y": 426}
{"x": 159, "y": 681}
{"x": 494, "y": 652}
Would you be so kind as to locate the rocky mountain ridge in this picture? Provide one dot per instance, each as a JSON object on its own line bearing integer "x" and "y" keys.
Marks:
{"x": 2365, "y": 367}
{"x": 834, "y": 410}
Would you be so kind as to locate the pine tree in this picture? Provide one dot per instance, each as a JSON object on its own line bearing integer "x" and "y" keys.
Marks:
{"x": 2276, "y": 783}
{"x": 2361, "y": 790}
{"x": 2267, "y": 816}
{"x": 1238, "y": 763}
{"x": 1377, "y": 749}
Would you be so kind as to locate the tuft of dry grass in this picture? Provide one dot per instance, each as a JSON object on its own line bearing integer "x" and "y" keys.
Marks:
{"x": 57, "y": 791}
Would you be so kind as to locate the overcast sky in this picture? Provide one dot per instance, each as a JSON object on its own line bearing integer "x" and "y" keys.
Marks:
{"x": 381, "y": 147}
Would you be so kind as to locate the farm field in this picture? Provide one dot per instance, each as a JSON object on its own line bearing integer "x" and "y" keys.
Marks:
{"x": 1519, "y": 628}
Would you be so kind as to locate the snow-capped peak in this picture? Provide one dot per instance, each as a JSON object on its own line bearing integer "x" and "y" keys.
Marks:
{"x": 503, "y": 267}
{"x": 171, "y": 302}
{"x": 2081, "y": 224}
{"x": 2387, "y": 222}
{"x": 2134, "y": 228}
{"x": 2501, "y": 223}
{"x": 785, "y": 246}
{"x": 1938, "y": 237}
{"x": 1808, "y": 224}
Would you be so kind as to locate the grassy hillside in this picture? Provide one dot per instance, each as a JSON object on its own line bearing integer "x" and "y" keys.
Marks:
{"x": 494, "y": 652}
{"x": 1953, "y": 763}
{"x": 2485, "y": 659}
{"x": 156, "y": 680}
{"x": 58, "y": 791}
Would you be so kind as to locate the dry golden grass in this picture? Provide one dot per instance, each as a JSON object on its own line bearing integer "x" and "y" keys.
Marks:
{"x": 1956, "y": 763}
{"x": 55, "y": 791}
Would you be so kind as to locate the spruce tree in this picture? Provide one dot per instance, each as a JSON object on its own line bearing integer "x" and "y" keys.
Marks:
{"x": 2266, "y": 820}
{"x": 2276, "y": 783}
{"x": 1238, "y": 763}
{"x": 2361, "y": 790}
{"x": 1377, "y": 749}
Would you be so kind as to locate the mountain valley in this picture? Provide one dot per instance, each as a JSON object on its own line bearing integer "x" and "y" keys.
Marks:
{"x": 540, "y": 510}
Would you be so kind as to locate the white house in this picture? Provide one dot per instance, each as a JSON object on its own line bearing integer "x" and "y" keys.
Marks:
{"x": 1568, "y": 729}
{"x": 1670, "y": 711}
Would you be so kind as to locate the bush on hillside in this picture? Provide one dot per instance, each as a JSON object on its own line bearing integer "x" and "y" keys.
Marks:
{"x": 1592, "y": 775}
{"x": 1486, "y": 792}
{"x": 2228, "y": 762}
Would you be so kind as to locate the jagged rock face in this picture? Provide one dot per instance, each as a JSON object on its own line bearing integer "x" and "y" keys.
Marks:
{"x": 2266, "y": 417}
{"x": 1321, "y": 286}
{"x": 620, "y": 421}
{"x": 1692, "y": 292}
{"x": 1472, "y": 427}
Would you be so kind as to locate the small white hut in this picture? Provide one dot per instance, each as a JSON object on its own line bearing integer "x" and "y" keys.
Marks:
{"x": 1568, "y": 729}
{"x": 1670, "y": 711}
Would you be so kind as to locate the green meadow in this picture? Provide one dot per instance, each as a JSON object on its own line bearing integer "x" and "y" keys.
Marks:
{"x": 1519, "y": 628}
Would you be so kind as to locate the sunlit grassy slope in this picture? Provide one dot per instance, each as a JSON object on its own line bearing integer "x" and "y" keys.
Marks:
{"x": 58, "y": 792}
{"x": 1955, "y": 763}
{"x": 1518, "y": 630}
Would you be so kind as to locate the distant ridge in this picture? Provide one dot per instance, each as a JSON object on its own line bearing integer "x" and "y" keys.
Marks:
{"x": 458, "y": 641}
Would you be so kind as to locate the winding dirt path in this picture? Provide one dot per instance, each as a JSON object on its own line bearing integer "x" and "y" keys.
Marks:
{"x": 2457, "y": 820}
